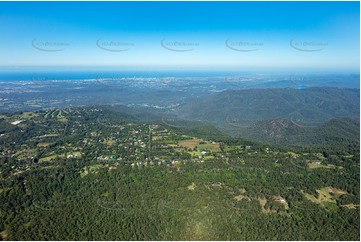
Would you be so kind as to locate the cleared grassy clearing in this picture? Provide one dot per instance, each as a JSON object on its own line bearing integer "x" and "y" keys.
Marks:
{"x": 28, "y": 115}
{"x": 350, "y": 206}
{"x": 26, "y": 153}
{"x": 191, "y": 143}
{"x": 326, "y": 197}
{"x": 213, "y": 147}
{"x": 91, "y": 169}
{"x": 52, "y": 135}
{"x": 241, "y": 196}
{"x": 317, "y": 164}
{"x": 3, "y": 235}
{"x": 293, "y": 155}
{"x": 195, "y": 153}
{"x": 262, "y": 202}
{"x": 48, "y": 158}
{"x": 192, "y": 186}
{"x": 44, "y": 144}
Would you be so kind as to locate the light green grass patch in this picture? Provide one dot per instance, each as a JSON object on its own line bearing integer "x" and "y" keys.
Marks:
{"x": 195, "y": 153}
{"x": 311, "y": 198}
{"x": 52, "y": 135}
{"x": 192, "y": 186}
{"x": 105, "y": 194}
{"x": 96, "y": 166}
{"x": 47, "y": 114}
{"x": 209, "y": 146}
{"x": 62, "y": 119}
{"x": 262, "y": 202}
{"x": 317, "y": 164}
{"x": 48, "y": 158}
{"x": 350, "y": 206}
{"x": 28, "y": 115}
{"x": 327, "y": 197}
{"x": 26, "y": 153}
{"x": 208, "y": 157}
{"x": 229, "y": 147}
{"x": 49, "y": 167}
{"x": 44, "y": 144}
{"x": 293, "y": 155}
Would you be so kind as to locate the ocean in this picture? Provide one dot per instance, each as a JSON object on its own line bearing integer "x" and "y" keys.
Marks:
{"x": 8, "y": 76}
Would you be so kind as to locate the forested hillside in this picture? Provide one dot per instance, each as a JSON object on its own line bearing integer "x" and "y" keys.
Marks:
{"x": 94, "y": 174}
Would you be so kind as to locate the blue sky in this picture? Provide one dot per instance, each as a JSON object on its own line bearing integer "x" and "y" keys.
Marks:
{"x": 191, "y": 35}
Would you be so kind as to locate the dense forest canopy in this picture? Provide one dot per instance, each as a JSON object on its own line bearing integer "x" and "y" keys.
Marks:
{"x": 95, "y": 174}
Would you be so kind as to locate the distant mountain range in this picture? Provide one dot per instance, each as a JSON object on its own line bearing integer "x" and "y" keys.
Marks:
{"x": 307, "y": 116}
{"x": 306, "y": 107}
{"x": 283, "y": 115}
{"x": 283, "y": 131}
